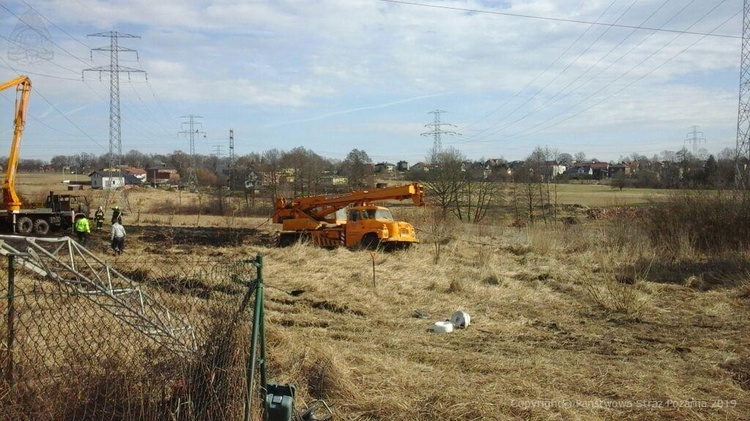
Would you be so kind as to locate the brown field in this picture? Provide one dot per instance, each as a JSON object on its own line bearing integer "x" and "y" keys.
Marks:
{"x": 585, "y": 322}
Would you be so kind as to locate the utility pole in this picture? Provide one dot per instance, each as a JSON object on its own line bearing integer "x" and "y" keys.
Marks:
{"x": 436, "y": 131}
{"x": 695, "y": 138}
{"x": 742, "y": 154}
{"x": 191, "y": 132}
{"x": 114, "y": 69}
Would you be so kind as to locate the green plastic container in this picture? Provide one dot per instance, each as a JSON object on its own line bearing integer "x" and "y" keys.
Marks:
{"x": 279, "y": 402}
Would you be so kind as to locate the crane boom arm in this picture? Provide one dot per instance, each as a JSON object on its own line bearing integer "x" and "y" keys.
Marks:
{"x": 23, "y": 89}
{"x": 318, "y": 207}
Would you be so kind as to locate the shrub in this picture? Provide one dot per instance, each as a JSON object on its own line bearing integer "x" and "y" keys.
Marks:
{"x": 712, "y": 222}
{"x": 613, "y": 295}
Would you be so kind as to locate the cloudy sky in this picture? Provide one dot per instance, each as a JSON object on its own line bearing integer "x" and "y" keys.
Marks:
{"x": 605, "y": 77}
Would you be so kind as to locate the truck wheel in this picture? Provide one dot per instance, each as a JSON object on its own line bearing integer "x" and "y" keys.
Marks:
{"x": 370, "y": 241}
{"x": 24, "y": 225}
{"x": 286, "y": 240}
{"x": 41, "y": 227}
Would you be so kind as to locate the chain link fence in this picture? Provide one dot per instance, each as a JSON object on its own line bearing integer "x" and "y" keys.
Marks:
{"x": 166, "y": 339}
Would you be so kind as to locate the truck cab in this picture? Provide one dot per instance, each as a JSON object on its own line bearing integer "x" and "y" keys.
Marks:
{"x": 372, "y": 226}
{"x": 66, "y": 203}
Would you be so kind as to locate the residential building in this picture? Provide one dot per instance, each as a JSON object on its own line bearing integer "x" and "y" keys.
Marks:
{"x": 161, "y": 175}
{"x": 138, "y": 173}
{"x": 384, "y": 167}
{"x": 107, "y": 178}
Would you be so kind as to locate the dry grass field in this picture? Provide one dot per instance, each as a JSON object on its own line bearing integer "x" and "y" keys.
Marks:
{"x": 582, "y": 322}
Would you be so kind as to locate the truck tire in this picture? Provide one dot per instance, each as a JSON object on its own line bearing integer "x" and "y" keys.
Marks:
{"x": 370, "y": 241}
{"x": 24, "y": 225}
{"x": 41, "y": 227}
{"x": 287, "y": 240}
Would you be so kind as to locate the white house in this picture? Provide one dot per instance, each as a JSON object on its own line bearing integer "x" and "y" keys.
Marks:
{"x": 107, "y": 179}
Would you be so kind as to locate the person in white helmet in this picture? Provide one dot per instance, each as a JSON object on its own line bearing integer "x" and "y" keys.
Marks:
{"x": 99, "y": 218}
{"x": 116, "y": 215}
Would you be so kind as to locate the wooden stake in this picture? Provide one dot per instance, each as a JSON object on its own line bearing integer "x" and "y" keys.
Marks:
{"x": 372, "y": 254}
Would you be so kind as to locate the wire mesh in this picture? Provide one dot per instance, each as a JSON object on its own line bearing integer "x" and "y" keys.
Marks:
{"x": 68, "y": 353}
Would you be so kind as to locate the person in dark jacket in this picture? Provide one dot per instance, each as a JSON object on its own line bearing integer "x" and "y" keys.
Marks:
{"x": 99, "y": 218}
{"x": 116, "y": 215}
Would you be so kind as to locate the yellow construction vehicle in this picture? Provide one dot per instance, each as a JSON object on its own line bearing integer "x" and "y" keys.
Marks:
{"x": 58, "y": 210}
{"x": 351, "y": 220}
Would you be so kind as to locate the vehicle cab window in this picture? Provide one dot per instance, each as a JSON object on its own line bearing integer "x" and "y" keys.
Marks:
{"x": 354, "y": 215}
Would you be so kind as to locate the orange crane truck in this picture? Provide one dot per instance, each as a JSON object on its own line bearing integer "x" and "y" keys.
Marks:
{"x": 351, "y": 220}
{"x": 59, "y": 210}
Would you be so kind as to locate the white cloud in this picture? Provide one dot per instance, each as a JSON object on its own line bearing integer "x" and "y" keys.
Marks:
{"x": 371, "y": 65}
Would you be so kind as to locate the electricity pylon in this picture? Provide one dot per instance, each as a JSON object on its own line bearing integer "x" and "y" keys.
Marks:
{"x": 742, "y": 154}
{"x": 192, "y": 130}
{"x": 114, "y": 69}
{"x": 437, "y": 131}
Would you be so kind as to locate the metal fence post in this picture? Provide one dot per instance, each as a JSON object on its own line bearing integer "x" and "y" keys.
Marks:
{"x": 11, "y": 318}
{"x": 260, "y": 307}
{"x": 257, "y": 339}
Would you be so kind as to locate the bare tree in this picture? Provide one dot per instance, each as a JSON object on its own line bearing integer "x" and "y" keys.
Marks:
{"x": 135, "y": 158}
{"x": 83, "y": 162}
{"x": 456, "y": 189}
{"x": 307, "y": 167}
{"x": 58, "y": 162}
{"x": 180, "y": 161}
{"x": 565, "y": 159}
{"x": 445, "y": 179}
{"x": 271, "y": 166}
{"x": 440, "y": 231}
{"x": 358, "y": 168}
{"x": 475, "y": 199}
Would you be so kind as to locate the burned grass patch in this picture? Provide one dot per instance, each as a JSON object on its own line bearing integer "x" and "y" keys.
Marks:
{"x": 335, "y": 308}
{"x": 169, "y": 236}
{"x": 182, "y": 285}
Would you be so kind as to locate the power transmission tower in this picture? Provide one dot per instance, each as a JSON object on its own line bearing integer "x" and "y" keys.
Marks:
{"x": 436, "y": 131}
{"x": 231, "y": 147}
{"x": 191, "y": 132}
{"x": 742, "y": 154}
{"x": 695, "y": 138}
{"x": 114, "y": 69}
{"x": 231, "y": 159}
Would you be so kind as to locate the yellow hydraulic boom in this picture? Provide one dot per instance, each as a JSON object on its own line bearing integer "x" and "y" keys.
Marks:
{"x": 58, "y": 210}
{"x": 23, "y": 89}
{"x": 366, "y": 225}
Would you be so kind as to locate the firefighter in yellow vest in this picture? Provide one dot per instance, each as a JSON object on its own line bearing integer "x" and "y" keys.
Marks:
{"x": 82, "y": 229}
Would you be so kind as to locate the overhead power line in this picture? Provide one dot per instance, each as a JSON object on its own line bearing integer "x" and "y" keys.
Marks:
{"x": 548, "y": 122}
{"x": 519, "y": 15}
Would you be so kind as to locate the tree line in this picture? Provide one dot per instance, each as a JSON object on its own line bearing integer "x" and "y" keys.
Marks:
{"x": 461, "y": 188}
